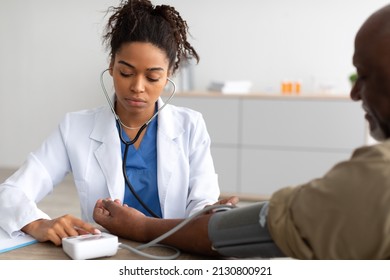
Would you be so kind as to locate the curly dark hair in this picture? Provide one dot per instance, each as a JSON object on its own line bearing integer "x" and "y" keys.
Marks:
{"x": 140, "y": 21}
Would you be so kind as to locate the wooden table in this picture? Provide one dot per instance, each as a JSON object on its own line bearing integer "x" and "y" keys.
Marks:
{"x": 48, "y": 251}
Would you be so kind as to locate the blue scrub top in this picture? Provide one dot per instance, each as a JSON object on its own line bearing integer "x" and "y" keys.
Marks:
{"x": 141, "y": 167}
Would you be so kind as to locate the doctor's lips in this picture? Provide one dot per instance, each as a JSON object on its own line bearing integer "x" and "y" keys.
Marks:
{"x": 135, "y": 101}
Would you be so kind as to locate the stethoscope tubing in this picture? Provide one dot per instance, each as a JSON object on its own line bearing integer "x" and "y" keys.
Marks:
{"x": 127, "y": 180}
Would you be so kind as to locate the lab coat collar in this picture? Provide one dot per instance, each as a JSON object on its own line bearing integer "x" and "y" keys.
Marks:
{"x": 168, "y": 124}
{"x": 104, "y": 125}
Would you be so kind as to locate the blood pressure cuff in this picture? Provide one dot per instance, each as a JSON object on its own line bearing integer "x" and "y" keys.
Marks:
{"x": 243, "y": 233}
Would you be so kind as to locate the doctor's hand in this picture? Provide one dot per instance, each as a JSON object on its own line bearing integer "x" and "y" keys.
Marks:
{"x": 56, "y": 229}
{"x": 119, "y": 219}
{"x": 231, "y": 201}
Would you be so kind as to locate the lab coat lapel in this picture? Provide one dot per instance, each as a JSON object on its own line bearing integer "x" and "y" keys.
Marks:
{"x": 108, "y": 153}
{"x": 167, "y": 149}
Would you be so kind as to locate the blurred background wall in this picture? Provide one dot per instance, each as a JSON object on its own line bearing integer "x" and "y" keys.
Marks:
{"x": 51, "y": 54}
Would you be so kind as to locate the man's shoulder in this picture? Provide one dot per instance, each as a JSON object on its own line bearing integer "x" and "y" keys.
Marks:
{"x": 381, "y": 149}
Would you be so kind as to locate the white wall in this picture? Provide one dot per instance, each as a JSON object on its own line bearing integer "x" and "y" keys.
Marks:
{"x": 51, "y": 54}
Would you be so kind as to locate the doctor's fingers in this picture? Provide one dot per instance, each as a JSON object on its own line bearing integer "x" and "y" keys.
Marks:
{"x": 51, "y": 230}
{"x": 86, "y": 229}
{"x": 42, "y": 230}
{"x": 233, "y": 200}
{"x": 66, "y": 226}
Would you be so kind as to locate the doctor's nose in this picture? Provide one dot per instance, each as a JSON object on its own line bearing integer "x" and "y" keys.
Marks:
{"x": 137, "y": 84}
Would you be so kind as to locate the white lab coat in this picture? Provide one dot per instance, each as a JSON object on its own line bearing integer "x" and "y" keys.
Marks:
{"x": 87, "y": 144}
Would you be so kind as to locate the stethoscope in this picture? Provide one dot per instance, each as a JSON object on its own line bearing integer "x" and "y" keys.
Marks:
{"x": 131, "y": 142}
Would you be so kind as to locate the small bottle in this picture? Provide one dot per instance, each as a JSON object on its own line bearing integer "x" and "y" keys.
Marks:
{"x": 286, "y": 87}
{"x": 289, "y": 87}
{"x": 297, "y": 87}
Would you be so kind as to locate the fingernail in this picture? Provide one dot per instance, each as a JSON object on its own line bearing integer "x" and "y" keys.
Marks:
{"x": 97, "y": 231}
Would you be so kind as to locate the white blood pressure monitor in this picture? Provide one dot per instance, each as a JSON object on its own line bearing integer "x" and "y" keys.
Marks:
{"x": 90, "y": 246}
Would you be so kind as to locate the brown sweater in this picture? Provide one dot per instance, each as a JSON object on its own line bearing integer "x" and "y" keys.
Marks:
{"x": 343, "y": 215}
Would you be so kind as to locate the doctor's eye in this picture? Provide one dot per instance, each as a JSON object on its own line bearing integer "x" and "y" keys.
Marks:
{"x": 153, "y": 80}
{"x": 125, "y": 74}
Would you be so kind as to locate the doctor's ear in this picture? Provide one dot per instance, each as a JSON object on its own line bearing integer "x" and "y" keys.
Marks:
{"x": 110, "y": 67}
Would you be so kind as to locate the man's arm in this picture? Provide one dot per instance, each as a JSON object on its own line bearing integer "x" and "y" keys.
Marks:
{"x": 129, "y": 223}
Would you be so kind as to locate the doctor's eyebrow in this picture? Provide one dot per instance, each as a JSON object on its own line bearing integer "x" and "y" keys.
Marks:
{"x": 133, "y": 67}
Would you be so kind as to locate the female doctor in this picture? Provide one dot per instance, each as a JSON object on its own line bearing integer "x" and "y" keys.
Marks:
{"x": 168, "y": 165}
